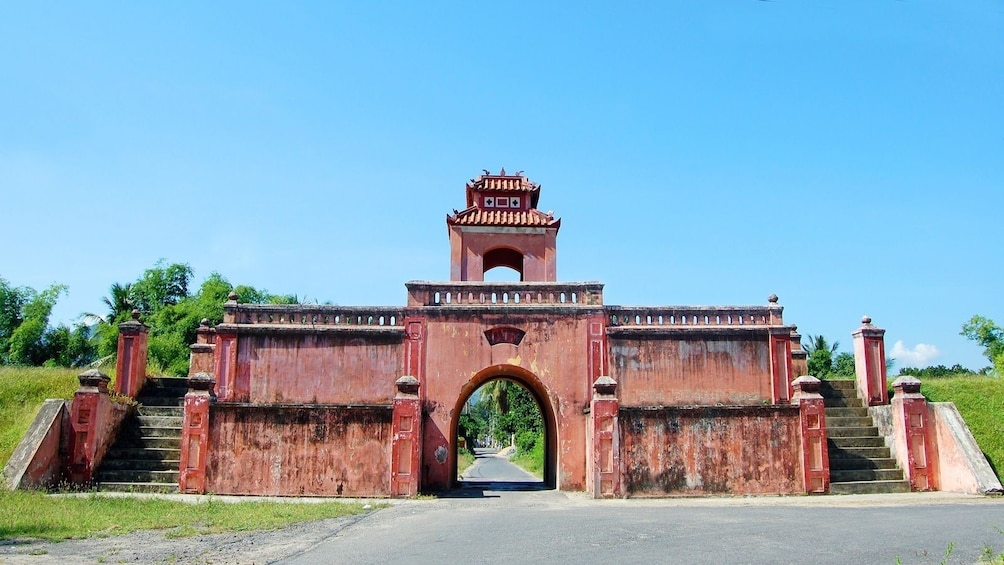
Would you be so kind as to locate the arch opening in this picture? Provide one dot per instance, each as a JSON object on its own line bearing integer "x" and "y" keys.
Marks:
{"x": 511, "y": 259}
{"x": 525, "y": 396}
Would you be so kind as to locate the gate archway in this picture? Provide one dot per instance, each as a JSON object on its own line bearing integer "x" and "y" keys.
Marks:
{"x": 537, "y": 390}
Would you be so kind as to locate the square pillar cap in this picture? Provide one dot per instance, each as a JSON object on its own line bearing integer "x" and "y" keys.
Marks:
{"x": 407, "y": 385}
{"x": 605, "y": 386}
{"x": 908, "y": 384}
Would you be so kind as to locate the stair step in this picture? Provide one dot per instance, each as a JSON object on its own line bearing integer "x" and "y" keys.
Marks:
{"x": 160, "y": 421}
{"x": 146, "y": 442}
{"x": 851, "y": 432}
{"x": 858, "y": 452}
{"x": 131, "y": 453}
{"x": 846, "y": 412}
{"x": 138, "y": 476}
{"x": 849, "y": 402}
{"x": 844, "y": 442}
{"x": 148, "y": 464}
{"x": 839, "y": 384}
{"x": 160, "y": 431}
{"x": 138, "y": 487}
{"x": 870, "y": 487}
{"x": 161, "y": 400}
{"x": 850, "y": 422}
{"x": 861, "y": 475}
{"x": 161, "y": 411}
{"x": 852, "y": 464}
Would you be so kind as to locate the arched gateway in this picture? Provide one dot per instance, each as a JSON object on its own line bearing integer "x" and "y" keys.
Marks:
{"x": 636, "y": 400}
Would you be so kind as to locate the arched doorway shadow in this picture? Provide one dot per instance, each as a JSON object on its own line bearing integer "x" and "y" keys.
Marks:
{"x": 537, "y": 390}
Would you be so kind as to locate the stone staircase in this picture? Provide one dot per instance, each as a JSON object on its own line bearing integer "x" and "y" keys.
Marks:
{"x": 145, "y": 455}
{"x": 860, "y": 462}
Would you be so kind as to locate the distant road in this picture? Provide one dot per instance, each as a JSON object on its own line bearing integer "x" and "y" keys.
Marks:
{"x": 490, "y": 467}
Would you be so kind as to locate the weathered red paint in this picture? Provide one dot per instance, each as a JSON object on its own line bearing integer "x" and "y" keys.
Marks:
{"x": 711, "y": 450}
{"x": 869, "y": 363}
{"x": 406, "y": 454}
{"x": 201, "y": 352}
{"x": 604, "y": 440}
{"x": 130, "y": 365}
{"x": 914, "y": 435}
{"x": 94, "y": 421}
{"x": 195, "y": 435}
{"x": 295, "y": 450}
{"x": 812, "y": 415}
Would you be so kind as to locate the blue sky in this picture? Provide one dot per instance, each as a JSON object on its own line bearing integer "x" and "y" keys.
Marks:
{"x": 846, "y": 155}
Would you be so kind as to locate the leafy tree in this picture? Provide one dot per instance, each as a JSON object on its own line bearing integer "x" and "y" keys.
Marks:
{"x": 160, "y": 286}
{"x": 820, "y": 360}
{"x": 989, "y": 335}
{"x": 843, "y": 365}
{"x": 937, "y": 371}
{"x": 26, "y": 345}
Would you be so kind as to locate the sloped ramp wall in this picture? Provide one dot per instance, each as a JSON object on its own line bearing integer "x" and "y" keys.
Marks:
{"x": 299, "y": 450}
{"x": 704, "y": 450}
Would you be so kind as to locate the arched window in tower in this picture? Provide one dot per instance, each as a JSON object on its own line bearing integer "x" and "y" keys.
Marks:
{"x": 503, "y": 262}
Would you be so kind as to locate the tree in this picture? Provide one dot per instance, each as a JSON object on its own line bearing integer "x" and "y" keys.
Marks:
{"x": 843, "y": 365}
{"x": 820, "y": 361}
{"x": 989, "y": 335}
{"x": 26, "y": 345}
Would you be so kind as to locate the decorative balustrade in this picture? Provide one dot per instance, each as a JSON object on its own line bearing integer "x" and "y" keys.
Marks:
{"x": 313, "y": 315}
{"x": 504, "y": 294}
{"x": 694, "y": 316}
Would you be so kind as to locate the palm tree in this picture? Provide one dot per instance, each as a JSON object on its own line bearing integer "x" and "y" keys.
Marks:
{"x": 119, "y": 303}
{"x": 495, "y": 394}
{"x": 819, "y": 343}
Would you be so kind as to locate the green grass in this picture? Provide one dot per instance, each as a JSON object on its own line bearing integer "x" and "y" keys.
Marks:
{"x": 980, "y": 400}
{"x": 464, "y": 460}
{"x": 532, "y": 462}
{"x": 31, "y": 514}
{"x": 22, "y": 390}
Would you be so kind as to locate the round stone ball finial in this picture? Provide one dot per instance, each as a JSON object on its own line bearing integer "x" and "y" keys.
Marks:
{"x": 866, "y": 320}
{"x": 135, "y": 314}
{"x": 233, "y": 296}
{"x": 794, "y": 328}
{"x": 772, "y": 299}
{"x": 204, "y": 323}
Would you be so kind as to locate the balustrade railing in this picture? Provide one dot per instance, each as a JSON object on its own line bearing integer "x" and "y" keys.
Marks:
{"x": 313, "y": 315}
{"x": 690, "y": 316}
{"x": 504, "y": 294}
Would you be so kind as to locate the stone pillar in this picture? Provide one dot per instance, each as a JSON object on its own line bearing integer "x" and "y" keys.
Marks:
{"x": 869, "y": 363}
{"x": 605, "y": 479}
{"x": 406, "y": 447}
{"x": 195, "y": 434}
{"x": 812, "y": 412}
{"x": 89, "y": 411}
{"x": 225, "y": 355}
{"x": 780, "y": 364}
{"x": 914, "y": 434}
{"x": 201, "y": 352}
{"x": 799, "y": 356}
{"x": 130, "y": 367}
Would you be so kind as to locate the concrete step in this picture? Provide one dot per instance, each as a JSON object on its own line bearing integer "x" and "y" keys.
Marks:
{"x": 146, "y": 442}
{"x": 857, "y": 452}
{"x": 137, "y": 476}
{"x": 851, "y": 432}
{"x": 138, "y": 487}
{"x": 839, "y": 384}
{"x": 160, "y": 431}
{"x": 860, "y": 475}
{"x": 851, "y": 422}
{"x": 165, "y": 411}
{"x": 846, "y": 412}
{"x": 851, "y": 402}
{"x": 170, "y": 401}
{"x": 852, "y": 463}
{"x": 140, "y": 464}
{"x": 155, "y": 454}
{"x": 869, "y": 487}
{"x": 160, "y": 421}
{"x": 856, "y": 441}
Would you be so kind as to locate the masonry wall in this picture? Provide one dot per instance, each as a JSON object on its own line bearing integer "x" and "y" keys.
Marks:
{"x": 691, "y": 368}
{"x": 319, "y": 368}
{"x": 711, "y": 450}
{"x": 294, "y": 450}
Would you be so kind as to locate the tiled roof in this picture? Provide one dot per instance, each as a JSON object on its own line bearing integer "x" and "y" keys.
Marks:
{"x": 504, "y": 183}
{"x": 516, "y": 218}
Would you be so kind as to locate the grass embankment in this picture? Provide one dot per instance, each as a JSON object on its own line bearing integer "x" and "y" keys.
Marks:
{"x": 980, "y": 400}
{"x": 29, "y": 514}
{"x": 22, "y": 391}
{"x": 37, "y": 515}
{"x": 531, "y": 461}
{"x": 464, "y": 460}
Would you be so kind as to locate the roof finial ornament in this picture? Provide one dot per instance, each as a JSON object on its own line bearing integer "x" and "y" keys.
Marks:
{"x": 519, "y": 173}
{"x": 486, "y": 172}
{"x": 502, "y": 173}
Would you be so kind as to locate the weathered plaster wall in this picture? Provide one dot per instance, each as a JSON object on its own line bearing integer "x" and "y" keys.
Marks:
{"x": 711, "y": 450}
{"x": 962, "y": 466}
{"x": 36, "y": 462}
{"x": 554, "y": 350}
{"x": 297, "y": 450}
{"x": 693, "y": 369}
{"x": 319, "y": 368}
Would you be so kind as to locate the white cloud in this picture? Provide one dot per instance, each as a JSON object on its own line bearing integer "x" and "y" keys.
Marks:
{"x": 920, "y": 356}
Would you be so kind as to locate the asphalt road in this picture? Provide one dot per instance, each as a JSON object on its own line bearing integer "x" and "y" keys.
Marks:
{"x": 503, "y": 523}
{"x": 489, "y": 468}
